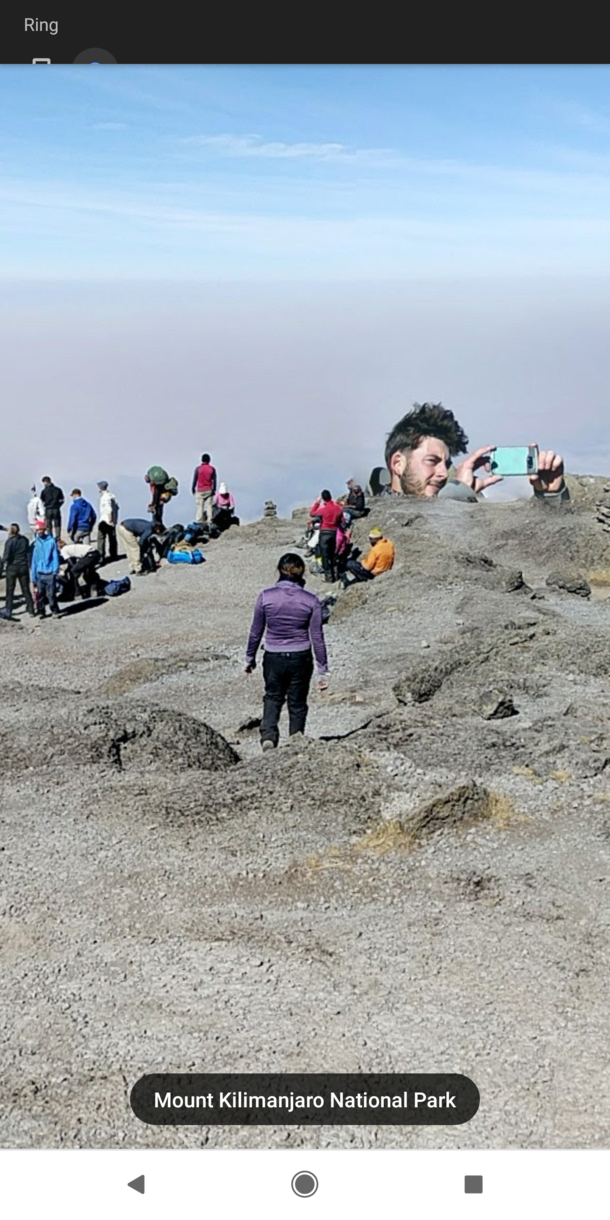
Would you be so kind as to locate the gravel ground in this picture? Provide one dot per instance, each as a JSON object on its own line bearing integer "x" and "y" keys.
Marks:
{"x": 171, "y": 899}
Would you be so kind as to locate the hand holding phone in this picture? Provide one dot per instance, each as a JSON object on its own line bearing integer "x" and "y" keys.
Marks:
{"x": 518, "y": 460}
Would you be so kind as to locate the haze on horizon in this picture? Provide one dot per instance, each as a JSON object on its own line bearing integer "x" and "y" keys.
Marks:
{"x": 274, "y": 263}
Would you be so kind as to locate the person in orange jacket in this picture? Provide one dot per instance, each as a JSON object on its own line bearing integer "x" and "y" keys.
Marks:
{"x": 379, "y": 559}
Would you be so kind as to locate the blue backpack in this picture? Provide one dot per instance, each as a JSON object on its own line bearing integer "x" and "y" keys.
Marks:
{"x": 195, "y": 556}
{"x": 114, "y": 588}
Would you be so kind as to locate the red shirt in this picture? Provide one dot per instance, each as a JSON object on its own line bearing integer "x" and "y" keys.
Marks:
{"x": 330, "y": 512}
{"x": 205, "y": 477}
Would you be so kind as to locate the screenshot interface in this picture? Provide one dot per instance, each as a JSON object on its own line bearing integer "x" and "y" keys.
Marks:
{"x": 304, "y": 623}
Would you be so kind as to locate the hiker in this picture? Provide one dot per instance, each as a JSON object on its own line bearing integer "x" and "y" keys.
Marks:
{"x": 162, "y": 488}
{"x": 343, "y": 543}
{"x": 44, "y": 568}
{"x": 203, "y": 489}
{"x": 107, "y": 522}
{"x": 82, "y": 517}
{"x": 16, "y": 562}
{"x": 52, "y": 498}
{"x": 292, "y": 621}
{"x": 139, "y": 537}
{"x": 85, "y": 569}
{"x": 35, "y": 510}
{"x": 354, "y": 500}
{"x": 418, "y": 453}
{"x": 223, "y": 514}
{"x": 330, "y": 514}
{"x": 379, "y": 559}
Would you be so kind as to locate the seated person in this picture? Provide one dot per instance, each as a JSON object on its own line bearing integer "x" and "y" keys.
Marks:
{"x": 223, "y": 511}
{"x": 418, "y": 457}
{"x": 354, "y": 500}
{"x": 379, "y": 559}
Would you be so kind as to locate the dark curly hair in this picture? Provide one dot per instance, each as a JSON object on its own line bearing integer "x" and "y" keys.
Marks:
{"x": 426, "y": 419}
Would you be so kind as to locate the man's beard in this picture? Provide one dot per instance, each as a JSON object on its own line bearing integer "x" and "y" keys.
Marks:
{"x": 412, "y": 485}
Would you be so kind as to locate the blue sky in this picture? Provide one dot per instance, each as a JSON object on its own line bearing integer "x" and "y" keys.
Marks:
{"x": 303, "y": 172}
{"x": 274, "y": 263}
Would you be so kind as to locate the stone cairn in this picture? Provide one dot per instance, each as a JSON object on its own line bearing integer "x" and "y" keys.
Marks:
{"x": 270, "y": 509}
{"x": 602, "y": 511}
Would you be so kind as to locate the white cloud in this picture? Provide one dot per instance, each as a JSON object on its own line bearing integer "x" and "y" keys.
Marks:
{"x": 252, "y": 145}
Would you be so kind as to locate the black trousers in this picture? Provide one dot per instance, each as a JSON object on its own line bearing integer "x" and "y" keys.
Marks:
{"x": 85, "y": 568}
{"x": 287, "y": 679}
{"x": 328, "y": 544}
{"x": 23, "y": 576}
{"x": 107, "y": 531}
{"x": 53, "y": 520}
{"x": 358, "y": 570}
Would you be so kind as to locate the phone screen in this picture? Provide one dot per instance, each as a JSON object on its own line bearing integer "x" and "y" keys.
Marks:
{"x": 304, "y": 818}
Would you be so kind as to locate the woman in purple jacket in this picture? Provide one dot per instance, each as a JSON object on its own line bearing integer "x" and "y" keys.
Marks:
{"x": 291, "y": 619}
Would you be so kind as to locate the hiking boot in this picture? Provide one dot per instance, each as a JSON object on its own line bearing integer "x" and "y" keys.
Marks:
{"x": 268, "y": 745}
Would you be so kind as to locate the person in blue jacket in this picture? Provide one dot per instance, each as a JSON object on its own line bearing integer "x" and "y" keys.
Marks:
{"x": 44, "y": 569}
{"x": 82, "y": 517}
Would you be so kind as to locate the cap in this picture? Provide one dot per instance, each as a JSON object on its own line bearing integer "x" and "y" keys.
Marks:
{"x": 375, "y": 532}
{"x": 39, "y": 524}
{"x": 103, "y": 484}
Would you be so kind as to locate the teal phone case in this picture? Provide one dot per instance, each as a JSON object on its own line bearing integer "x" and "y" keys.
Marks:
{"x": 520, "y": 460}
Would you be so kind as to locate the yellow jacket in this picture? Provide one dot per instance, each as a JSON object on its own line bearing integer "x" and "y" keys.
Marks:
{"x": 380, "y": 557}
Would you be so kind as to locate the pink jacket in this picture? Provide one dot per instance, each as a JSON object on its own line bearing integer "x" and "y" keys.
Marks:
{"x": 224, "y": 501}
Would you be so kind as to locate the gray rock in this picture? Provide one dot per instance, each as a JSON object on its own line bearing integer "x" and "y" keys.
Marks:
{"x": 570, "y": 582}
{"x": 494, "y": 705}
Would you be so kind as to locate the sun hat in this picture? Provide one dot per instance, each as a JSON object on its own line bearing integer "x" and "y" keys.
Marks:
{"x": 375, "y": 532}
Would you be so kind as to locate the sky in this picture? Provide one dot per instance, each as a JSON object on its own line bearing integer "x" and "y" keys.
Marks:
{"x": 274, "y": 262}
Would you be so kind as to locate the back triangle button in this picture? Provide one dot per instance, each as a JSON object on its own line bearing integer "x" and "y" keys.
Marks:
{"x": 138, "y": 1184}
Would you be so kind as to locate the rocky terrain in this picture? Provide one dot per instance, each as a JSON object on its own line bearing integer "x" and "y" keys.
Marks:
{"x": 421, "y": 884}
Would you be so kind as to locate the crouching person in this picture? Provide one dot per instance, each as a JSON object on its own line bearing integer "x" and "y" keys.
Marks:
{"x": 379, "y": 559}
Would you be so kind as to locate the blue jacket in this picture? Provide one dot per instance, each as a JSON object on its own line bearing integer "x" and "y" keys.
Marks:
{"x": 45, "y": 557}
{"x": 82, "y": 516}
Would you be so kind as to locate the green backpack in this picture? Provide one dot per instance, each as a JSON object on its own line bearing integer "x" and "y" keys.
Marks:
{"x": 158, "y": 475}
{"x": 171, "y": 486}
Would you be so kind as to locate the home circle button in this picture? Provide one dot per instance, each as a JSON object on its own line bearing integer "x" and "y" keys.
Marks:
{"x": 304, "y": 1184}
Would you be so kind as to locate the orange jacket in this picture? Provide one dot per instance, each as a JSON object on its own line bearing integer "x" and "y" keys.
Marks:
{"x": 380, "y": 557}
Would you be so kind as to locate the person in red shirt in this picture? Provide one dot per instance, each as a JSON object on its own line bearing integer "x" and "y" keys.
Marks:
{"x": 331, "y": 515}
{"x": 203, "y": 489}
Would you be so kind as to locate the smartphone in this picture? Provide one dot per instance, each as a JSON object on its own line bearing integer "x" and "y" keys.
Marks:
{"x": 522, "y": 459}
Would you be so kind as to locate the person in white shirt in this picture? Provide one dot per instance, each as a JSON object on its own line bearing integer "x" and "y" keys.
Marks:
{"x": 35, "y": 510}
{"x": 107, "y": 522}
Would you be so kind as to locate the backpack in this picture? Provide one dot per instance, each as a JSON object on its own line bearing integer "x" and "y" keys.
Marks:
{"x": 157, "y": 475}
{"x": 173, "y": 536}
{"x": 171, "y": 486}
{"x": 195, "y": 531}
{"x": 114, "y": 588}
{"x": 327, "y": 604}
{"x": 176, "y": 556}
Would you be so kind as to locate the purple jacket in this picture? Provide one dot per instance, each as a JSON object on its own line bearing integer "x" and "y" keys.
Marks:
{"x": 293, "y": 621}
